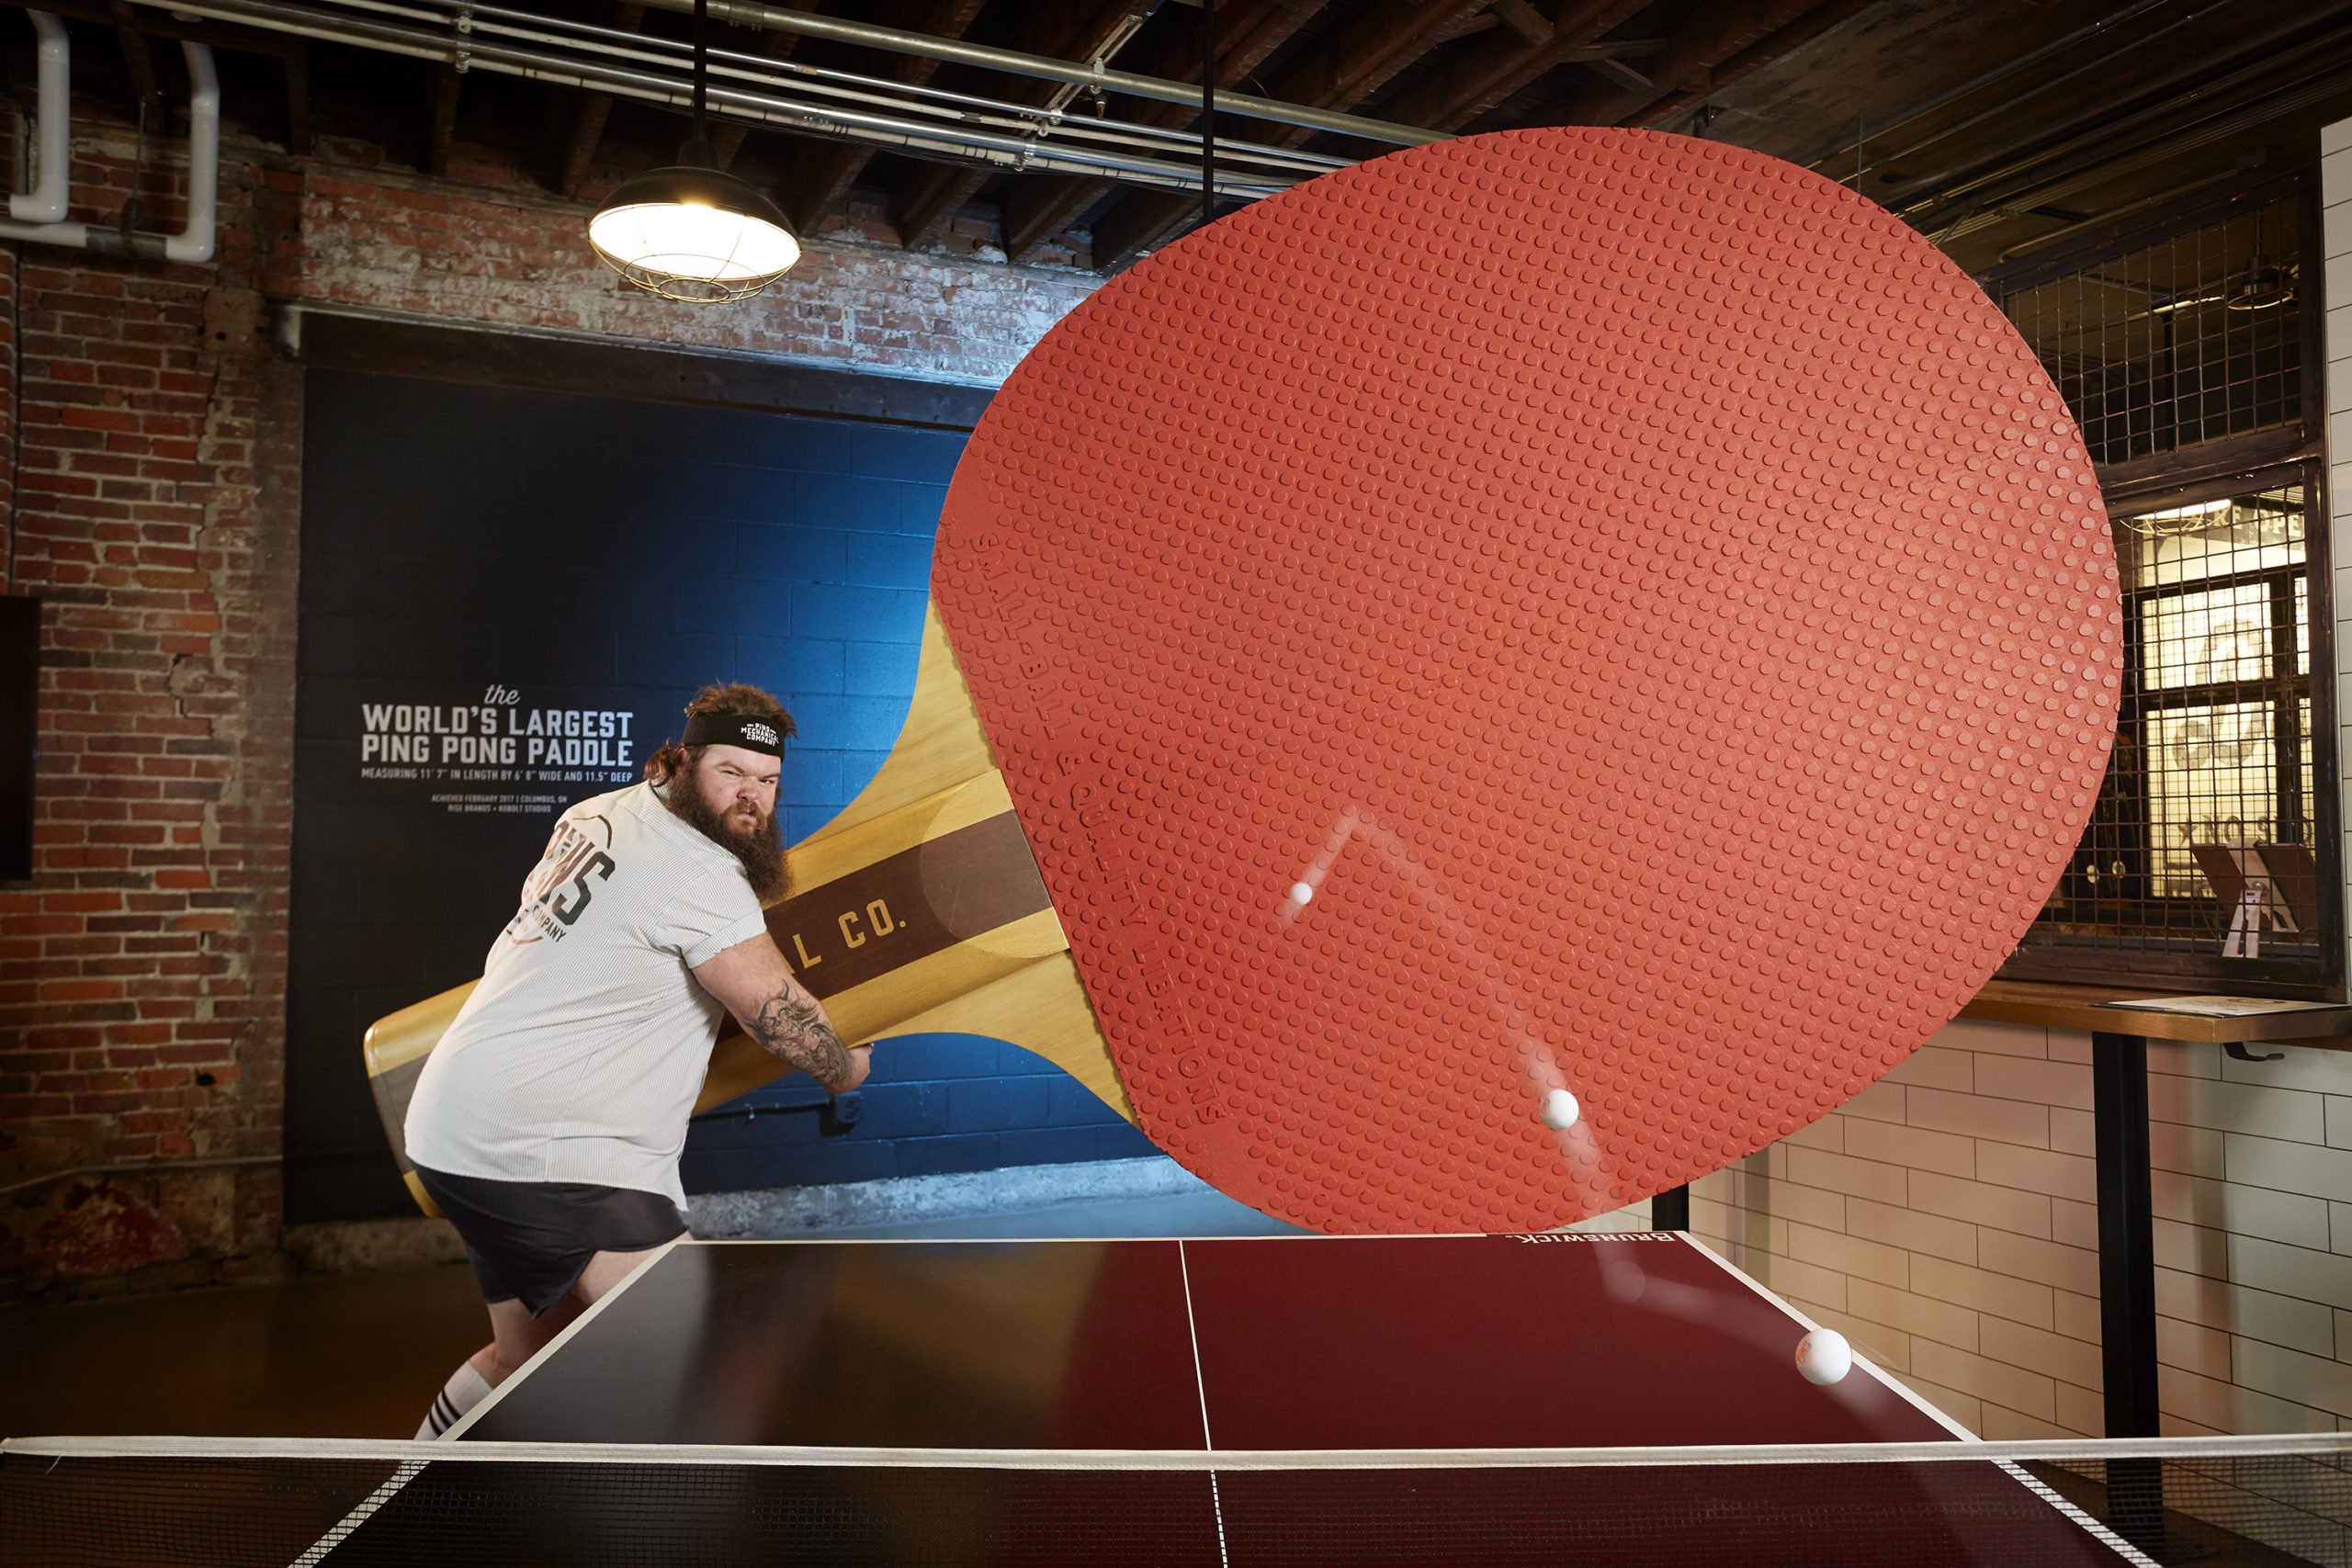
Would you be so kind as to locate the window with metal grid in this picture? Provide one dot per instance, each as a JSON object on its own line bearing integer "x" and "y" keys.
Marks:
{"x": 2207, "y": 857}
{"x": 2202, "y": 841}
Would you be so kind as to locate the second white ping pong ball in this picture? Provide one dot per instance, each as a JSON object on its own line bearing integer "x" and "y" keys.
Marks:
{"x": 1300, "y": 893}
{"x": 1824, "y": 1357}
{"x": 1559, "y": 1111}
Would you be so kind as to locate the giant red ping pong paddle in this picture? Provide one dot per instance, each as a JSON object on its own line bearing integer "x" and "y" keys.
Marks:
{"x": 1566, "y": 609}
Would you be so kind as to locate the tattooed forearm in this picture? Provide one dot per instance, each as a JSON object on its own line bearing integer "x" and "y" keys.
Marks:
{"x": 793, "y": 1029}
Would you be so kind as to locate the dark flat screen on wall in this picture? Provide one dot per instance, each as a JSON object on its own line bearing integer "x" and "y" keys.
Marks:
{"x": 506, "y": 597}
{"x": 20, "y": 732}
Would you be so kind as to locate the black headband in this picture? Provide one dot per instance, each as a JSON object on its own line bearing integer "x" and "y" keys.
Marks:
{"x": 749, "y": 731}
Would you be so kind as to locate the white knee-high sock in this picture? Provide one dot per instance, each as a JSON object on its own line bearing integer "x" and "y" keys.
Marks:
{"x": 465, "y": 1389}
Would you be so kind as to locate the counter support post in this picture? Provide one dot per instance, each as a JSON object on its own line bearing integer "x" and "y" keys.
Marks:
{"x": 1670, "y": 1209}
{"x": 2127, "y": 1303}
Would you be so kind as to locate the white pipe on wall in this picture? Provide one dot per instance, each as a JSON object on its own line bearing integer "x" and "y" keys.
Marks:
{"x": 192, "y": 243}
{"x": 52, "y": 126}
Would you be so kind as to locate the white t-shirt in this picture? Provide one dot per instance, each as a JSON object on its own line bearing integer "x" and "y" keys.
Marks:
{"x": 578, "y": 1057}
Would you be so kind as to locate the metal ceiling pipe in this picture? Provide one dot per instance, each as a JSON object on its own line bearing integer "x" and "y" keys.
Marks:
{"x": 748, "y": 14}
{"x": 481, "y": 52}
{"x": 743, "y": 13}
{"x": 194, "y": 242}
{"x": 954, "y": 109}
{"x": 52, "y": 126}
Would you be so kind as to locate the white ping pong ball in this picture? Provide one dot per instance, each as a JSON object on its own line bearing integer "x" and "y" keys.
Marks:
{"x": 1300, "y": 893}
{"x": 1824, "y": 1357}
{"x": 1559, "y": 1111}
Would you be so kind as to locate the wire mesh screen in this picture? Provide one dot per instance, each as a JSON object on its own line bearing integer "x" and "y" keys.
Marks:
{"x": 2221, "y": 1502}
{"x": 2202, "y": 841}
{"x": 2201, "y": 857}
{"x": 2226, "y": 1512}
{"x": 2187, "y": 341}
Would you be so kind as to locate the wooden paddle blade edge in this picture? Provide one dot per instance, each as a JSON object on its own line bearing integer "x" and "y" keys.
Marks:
{"x": 395, "y": 1048}
{"x": 942, "y": 744}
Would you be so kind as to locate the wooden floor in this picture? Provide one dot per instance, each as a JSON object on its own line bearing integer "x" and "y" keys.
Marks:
{"x": 362, "y": 1355}
{"x": 336, "y": 1356}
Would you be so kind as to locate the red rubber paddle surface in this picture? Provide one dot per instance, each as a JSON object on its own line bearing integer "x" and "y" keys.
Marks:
{"x": 1649, "y": 597}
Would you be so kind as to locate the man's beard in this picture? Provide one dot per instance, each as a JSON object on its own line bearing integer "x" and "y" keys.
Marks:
{"x": 761, "y": 852}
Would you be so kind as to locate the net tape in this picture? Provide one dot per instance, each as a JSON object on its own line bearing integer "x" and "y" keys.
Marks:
{"x": 275, "y": 1503}
{"x": 2067, "y": 1451}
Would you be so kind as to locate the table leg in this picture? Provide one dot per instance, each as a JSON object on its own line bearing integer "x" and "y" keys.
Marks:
{"x": 2127, "y": 1278}
{"x": 1670, "y": 1209}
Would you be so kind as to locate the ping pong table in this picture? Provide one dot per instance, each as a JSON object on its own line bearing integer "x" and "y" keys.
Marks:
{"x": 1230, "y": 1350}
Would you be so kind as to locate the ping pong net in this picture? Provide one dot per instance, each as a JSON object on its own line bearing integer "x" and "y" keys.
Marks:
{"x": 2227, "y": 1502}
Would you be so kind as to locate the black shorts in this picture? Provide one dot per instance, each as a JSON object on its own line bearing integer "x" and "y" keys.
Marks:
{"x": 529, "y": 1240}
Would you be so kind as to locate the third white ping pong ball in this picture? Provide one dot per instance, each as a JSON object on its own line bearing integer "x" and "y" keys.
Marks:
{"x": 1824, "y": 1357}
{"x": 1559, "y": 1111}
{"x": 1300, "y": 893}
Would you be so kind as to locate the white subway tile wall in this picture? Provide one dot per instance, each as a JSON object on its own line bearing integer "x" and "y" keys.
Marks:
{"x": 1946, "y": 1222}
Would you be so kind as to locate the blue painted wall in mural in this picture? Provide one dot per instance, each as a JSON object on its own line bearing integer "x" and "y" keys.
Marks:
{"x": 505, "y": 599}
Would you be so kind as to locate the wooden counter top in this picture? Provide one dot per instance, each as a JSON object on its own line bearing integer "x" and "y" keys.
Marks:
{"x": 2070, "y": 1007}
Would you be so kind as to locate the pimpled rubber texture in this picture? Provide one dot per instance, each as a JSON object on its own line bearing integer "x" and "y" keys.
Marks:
{"x": 1648, "y": 597}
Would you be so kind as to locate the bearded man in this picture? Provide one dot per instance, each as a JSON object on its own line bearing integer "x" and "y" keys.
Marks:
{"x": 549, "y": 1121}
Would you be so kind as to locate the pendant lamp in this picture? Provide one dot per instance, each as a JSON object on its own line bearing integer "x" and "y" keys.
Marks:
{"x": 694, "y": 232}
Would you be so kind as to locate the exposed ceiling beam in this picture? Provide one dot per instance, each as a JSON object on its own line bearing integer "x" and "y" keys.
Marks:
{"x": 298, "y": 97}
{"x": 1625, "y": 75}
{"x": 1338, "y": 73}
{"x": 1143, "y": 221}
{"x": 1038, "y": 208}
{"x": 2140, "y": 127}
{"x": 1357, "y": 61}
{"x": 1756, "y": 57}
{"x": 823, "y": 172}
{"x": 594, "y": 110}
{"x": 141, "y": 63}
{"x": 447, "y": 80}
{"x": 1718, "y": 31}
{"x": 1472, "y": 82}
{"x": 155, "y": 24}
{"x": 1523, "y": 19}
{"x": 1065, "y": 30}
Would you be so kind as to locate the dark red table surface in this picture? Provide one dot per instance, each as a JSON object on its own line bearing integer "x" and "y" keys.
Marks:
{"x": 1424, "y": 1342}
{"x": 456, "y": 1514}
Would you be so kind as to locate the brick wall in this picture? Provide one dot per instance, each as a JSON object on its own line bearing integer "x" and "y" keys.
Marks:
{"x": 145, "y": 962}
{"x": 152, "y": 508}
{"x": 355, "y": 230}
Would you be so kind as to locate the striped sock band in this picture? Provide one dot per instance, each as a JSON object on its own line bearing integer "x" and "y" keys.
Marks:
{"x": 465, "y": 1389}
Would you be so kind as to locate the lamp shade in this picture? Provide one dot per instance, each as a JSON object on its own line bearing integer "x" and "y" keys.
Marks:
{"x": 695, "y": 235}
